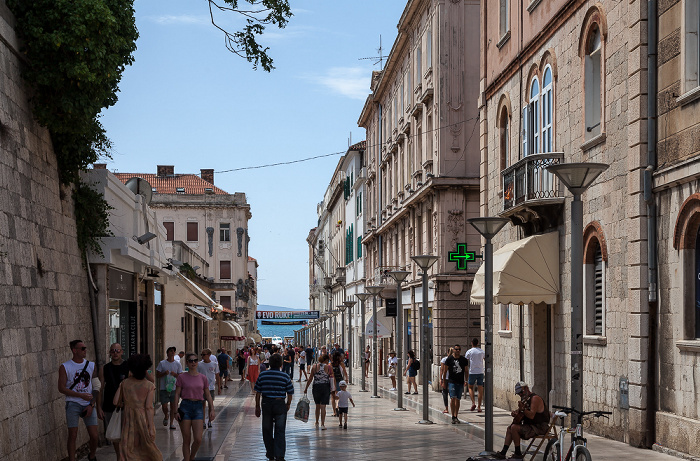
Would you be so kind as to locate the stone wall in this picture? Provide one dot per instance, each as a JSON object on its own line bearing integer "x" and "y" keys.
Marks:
{"x": 43, "y": 286}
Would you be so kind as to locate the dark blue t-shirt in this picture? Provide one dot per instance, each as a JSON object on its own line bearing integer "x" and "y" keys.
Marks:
{"x": 223, "y": 361}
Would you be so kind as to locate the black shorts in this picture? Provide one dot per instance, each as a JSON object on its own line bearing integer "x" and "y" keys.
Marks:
{"x": 321, "y": 393}
{"x": 342, "y": 410}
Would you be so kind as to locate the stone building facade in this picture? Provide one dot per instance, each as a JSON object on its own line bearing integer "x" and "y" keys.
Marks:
{"x": 44, "y": 301}
{"x": 567, "y": 81}
{"x": 422, "y": 162}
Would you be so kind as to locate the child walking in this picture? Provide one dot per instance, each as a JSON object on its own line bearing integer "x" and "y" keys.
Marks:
{"x": 343, "y": 396}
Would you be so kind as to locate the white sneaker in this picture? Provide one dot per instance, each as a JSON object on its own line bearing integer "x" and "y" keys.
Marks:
{"x": 392, "y": 389}
{"x": 323, "y": 428}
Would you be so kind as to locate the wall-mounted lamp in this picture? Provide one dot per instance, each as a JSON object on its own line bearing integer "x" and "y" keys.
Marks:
{"x": 145, "y": 238}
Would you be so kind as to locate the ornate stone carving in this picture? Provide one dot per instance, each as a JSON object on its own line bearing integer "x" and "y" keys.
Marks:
{"x": 242, "y": 290}
{"x": 435, "y": 232}
{"x": 210, "y": 240}
{"x": 455, "y": 224}
{"x": 239, "y": 232}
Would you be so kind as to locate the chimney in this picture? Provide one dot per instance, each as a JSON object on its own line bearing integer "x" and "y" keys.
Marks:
{"x": 207, "y": 175}
{"x": 99, "y": 166}
{"x": 166, "y": 170}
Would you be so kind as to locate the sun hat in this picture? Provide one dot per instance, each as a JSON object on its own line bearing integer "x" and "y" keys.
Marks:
{"x": 519, "y": 386}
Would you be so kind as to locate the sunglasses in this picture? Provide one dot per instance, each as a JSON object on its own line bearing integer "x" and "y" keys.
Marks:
{"x": 458, "y": 350}
{"x": 193, "y": 361}
{"x": 113, "y": 351}
{"x": 84, "y": 348}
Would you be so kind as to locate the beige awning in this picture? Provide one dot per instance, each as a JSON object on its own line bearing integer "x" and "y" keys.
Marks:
{"x": 526, "y": 271}
{"x": 384, "y": 324}
{"x": 199, "y": 294}
{"x": 199, "y": 312}
{"x": 230, "y": 329}
{"x": 254, "y": 338}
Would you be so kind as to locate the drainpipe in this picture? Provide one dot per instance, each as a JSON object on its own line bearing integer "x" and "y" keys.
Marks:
{"x": 652, "y": 91}
{"x": 92, "y": 295}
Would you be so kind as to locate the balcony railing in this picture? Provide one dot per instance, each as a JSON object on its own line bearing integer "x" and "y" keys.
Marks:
{"x": 381, "y": 276}
{"x": 528, "y": 180}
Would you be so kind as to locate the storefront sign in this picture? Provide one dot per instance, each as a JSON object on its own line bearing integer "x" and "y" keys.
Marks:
{"x": 391, "y": 310}
{"x": 287, "y": 315}
{"x": 133, "y": 322}
{"x": 121, "y": 285}
{"x": 228, "y": 338}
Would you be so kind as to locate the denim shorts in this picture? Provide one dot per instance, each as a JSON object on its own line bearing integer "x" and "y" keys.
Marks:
{"x": 477, "y": 379}
{"x": 455, "y": 390}
{"x": 166, "y": 396}
{"x": 73, "y": 410}
{"x": 192, "y": 409}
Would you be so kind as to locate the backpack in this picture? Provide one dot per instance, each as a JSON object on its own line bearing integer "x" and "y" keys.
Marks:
{"x": 416, "y": 364}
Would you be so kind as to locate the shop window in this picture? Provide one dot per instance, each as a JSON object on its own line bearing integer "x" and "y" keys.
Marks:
{"x": 169, "y": 230}
{"x": 225, "y": 270}
{"x": 193, "y": 231}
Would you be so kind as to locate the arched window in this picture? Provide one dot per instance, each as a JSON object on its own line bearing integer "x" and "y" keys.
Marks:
{"x": 504, "y": 134}
{"x": 595, "y": 262}
{"x": 697, "y": 285}
{"x": 592, "y": 83}
{"x": 547, "y": 111}
{"x": 531, "y": 130}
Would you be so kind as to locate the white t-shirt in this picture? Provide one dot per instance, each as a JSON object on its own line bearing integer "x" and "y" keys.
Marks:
{"x": 393, "y": 361}
{"x": 442, "y": 362}
{"x": 475, "y": 356}
{"x": 84, "y": 381}
{"x": 343, "y": 397}
{"x": 210, "y": 370}
{"x": 302, "y": 358}
{"x": 177, "y": 358}
{"x": 164, "y": 366}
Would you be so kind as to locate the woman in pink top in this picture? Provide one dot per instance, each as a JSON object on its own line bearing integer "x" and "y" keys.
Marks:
{"x": 193, "y": 388}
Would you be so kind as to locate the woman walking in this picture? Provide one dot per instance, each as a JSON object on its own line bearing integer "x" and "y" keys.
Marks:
{"x": 302, "y": 364}
{"x": 323, "y": 381}
{"x": 240, "y": 357}
{"x": 253, "y": 367}
{"x": 412, "y": 372}
{"x": 135, "y": 394}
{"x": 339, "y": 374}
{"x": 368, "y": 356}
{"x": 393, "y": 363}
{"x": 193, "y": 388}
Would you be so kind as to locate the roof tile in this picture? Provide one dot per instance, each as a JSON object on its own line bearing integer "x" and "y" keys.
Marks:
{"x": 191, "y": 183}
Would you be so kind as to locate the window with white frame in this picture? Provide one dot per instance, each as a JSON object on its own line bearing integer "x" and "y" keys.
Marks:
{"x": 595, "y": 293}
{"x": 692, "y": 45}
{"x": 592, "y": 83}
{"x": 429, "y": 49}
{"x": 547, "y": 110}
{"x": 531, "y": 119}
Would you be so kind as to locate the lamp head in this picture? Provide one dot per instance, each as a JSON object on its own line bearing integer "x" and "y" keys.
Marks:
{"x": 577, "y": 177}
{"x": 399, "y": 276}
{"x": 424, "y": 261}
{"x": 363, "y": 296}
{"x": 374, "y": 289}
{"x": 349, "y": 303}
{"x": 488, "y": 226}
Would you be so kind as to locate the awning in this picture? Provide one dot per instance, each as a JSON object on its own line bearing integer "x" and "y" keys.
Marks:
{"x": 526, "y": 271}
{"x": 384, "y": 324}
{"x": 254, "y": 338}
{"x": 198, "y": 292}
{"x": 199, "y": 312}
{"x": 231, "y": 331}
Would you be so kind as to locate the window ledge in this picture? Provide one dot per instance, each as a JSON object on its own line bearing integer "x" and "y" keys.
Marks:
{"x": 595, "y": 340}
{"x": 689, "y": 96}
{"x": 503, "y": 40}
{"x": 533, "y": 4}
{"x": 600, "y": 139}
{"x": 505, "y": 333}
{"x": 689, "y": 345}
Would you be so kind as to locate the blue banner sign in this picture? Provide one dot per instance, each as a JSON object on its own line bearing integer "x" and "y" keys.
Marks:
{"x": 286, "y": 315}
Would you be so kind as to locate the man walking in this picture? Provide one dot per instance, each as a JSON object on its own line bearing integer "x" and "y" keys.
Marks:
{"x": 169, "y": 369}
{"x": 309, "y": 357}
{"x": 475, "y": 355}
{"x": 111, "y": 376}
{"x": 75, "y": 382}
{"x": 272, "y": 387}
{"x": 455, "y": 364}
{"x": 223, "y": 360}
{"x": 210, "y": 368}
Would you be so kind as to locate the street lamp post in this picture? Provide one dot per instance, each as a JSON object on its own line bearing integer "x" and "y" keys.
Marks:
{"x": 362, "y": 297}
{"x": 342, "y": 325}
{"x": 348, "y": 345}
{"x": 488, "y": 227}
{"x": 577, "y": 177}
{"x": 425, "y": 262}
{"x": 374, "y": 291}
{"x": 399, "y": 276}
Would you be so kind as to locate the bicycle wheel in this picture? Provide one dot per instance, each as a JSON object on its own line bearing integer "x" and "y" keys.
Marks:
{"x": 551, "y": 453}
{"x": 582, "y": 454}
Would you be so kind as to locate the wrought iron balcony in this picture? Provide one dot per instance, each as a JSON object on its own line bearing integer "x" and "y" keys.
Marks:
{"x": 532, "y": 196}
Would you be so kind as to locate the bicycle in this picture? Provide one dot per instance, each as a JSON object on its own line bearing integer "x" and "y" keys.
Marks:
{"x": 577, "y": 450}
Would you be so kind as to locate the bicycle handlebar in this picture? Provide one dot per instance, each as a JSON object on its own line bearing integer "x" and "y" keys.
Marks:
{"x": 581, "y": 414}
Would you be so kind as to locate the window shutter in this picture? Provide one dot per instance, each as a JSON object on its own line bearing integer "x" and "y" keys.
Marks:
{"x": 598, "y": 273}
{"x": 359, "y": 247}
{"x": 192, "y": 231}
{"x": 169, "y": 231}
{"x": 225, "y": 270}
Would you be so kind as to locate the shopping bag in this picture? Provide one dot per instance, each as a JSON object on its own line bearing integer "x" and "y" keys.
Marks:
{"x": 114, "y": 430}
{"x": 302, "y": 411}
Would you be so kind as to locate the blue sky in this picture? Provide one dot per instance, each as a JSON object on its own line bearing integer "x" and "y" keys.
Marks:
{"x": 189, "y": 102}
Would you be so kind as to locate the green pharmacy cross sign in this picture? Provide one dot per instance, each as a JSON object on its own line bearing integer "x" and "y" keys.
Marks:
{"x": 462, "y": 256}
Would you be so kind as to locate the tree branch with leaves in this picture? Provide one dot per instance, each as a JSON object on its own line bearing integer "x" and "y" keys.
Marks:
{"x": 261, "y": 13}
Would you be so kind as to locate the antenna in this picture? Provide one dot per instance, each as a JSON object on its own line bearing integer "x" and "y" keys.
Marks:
{"x": 380, "y": 58}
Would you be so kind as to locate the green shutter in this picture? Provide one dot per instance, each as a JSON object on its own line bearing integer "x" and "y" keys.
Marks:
{"x": 359, "y": 247}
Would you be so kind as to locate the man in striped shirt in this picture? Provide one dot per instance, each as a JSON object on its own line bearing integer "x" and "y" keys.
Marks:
{"x": 274, "y": 387}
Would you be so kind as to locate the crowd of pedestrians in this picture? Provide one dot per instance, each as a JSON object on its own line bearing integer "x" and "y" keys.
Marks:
{"x": 187, "y": 383}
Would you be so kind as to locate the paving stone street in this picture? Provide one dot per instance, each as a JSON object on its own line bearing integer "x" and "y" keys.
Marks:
{"x": 375, "y": 432}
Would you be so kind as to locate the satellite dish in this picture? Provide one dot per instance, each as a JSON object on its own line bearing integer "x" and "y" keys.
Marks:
{"x": 140, "y": 186}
